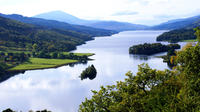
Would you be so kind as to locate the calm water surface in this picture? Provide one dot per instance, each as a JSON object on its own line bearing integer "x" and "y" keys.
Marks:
{"x": 61, "y": 90}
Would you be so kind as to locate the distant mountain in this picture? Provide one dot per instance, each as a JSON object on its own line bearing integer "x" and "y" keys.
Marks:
{"x": 109, "y": 25}
{"x": 52, "y": 24}
{"x": 179, "y": 23}
{"x": 63, "y": 17}
{"x": 117, "y": 26}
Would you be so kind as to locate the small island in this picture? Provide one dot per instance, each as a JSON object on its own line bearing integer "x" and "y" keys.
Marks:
{"x": 89, "y": 72}
{"x": 150, "y": 49}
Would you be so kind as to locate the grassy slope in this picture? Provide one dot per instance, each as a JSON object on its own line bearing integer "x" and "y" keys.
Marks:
{"x": 39, "y": 63}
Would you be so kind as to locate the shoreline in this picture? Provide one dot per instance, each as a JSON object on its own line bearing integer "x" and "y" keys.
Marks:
{"x": 42, "y": 63}
{"x": 43, "y": 68}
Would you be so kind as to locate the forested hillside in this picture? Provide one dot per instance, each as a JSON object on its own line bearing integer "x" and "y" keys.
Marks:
{"x": 20, "y": 36}
{"x": 177, "y": 35}
{"x": 183, "y": 30}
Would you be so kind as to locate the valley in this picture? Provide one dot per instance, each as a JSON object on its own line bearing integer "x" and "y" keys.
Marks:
{"x": 113, "y": 56}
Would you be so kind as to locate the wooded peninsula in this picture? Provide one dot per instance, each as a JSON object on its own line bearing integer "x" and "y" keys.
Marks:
{"x": 149, "y": 49}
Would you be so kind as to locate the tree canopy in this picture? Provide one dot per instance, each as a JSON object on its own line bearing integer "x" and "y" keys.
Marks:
{"x": 89, "y": 72}
{"x": 177, "y": 35}
{"x": 149, "y": 49}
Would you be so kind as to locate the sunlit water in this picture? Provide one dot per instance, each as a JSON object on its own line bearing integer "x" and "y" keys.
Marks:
{"x": 61, "y": 90}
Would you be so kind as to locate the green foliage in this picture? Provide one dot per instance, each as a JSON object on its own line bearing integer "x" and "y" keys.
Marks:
{"x": 89, "y": 72}
{"x": 189, "y": 61}
{"x": 12, "y": 59}
{"x": 197, "y": 33}
{"x": 170, "y": 58}
{"x": 35, "y": 47}
{"x": 149, "y": 49}
{"x": 55, "y": 55}
{"x": 177, "y": 35}
{"x": 149, "y": 90}
{"x": 22, "y": 36}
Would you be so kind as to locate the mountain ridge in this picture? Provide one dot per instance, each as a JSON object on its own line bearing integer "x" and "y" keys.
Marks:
{"x": 53, "y": 24}
{"x": 177, "y": 23}
{"x": 108, "y": 25}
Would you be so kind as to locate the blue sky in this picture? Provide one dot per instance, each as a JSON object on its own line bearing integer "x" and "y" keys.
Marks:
{"x": 147, "y": 12}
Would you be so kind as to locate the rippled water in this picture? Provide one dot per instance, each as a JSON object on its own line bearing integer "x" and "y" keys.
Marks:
{"x": 61, "y": 90}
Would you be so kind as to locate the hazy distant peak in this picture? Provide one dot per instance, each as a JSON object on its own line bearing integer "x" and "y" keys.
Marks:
{"x": 61, "y": 16}
{"x": 109, "y": 25}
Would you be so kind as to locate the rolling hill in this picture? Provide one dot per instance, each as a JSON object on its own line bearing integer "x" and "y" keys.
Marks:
{"x": 15, "y": 35}
{"x": 117, "y": 26}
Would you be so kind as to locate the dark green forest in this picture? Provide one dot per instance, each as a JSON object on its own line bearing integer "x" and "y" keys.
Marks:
{"x": 177, "y": 35}
{"x": 149, "y": 49}
{"x": 49, "y": 35}
{"x": 151, "y": 90}
{"x": 20, "y": 36}
{"x": 90, "y": 72}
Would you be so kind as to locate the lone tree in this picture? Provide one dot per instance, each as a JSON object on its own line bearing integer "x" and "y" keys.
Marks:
{"x": 89, "y": 72}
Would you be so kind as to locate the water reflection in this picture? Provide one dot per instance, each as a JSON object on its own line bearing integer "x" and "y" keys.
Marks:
{"x": 140, "y": 57}
{"x": 5, "y": 76}
{"x": 84, "y": 62}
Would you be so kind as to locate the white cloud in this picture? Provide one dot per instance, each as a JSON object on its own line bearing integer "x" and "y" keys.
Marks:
{"x": 148, "y": 11}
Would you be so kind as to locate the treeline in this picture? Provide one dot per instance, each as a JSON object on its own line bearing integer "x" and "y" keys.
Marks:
{"x": 149, "y": 49}
{"x": 152, "y": 90}
{"x": 8, "y": 60}
{"x": 14, "y": 57}
{"x": 177, "y": 35}
{"x": 11, "y": 59}
{"x": 58, "y": 55}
